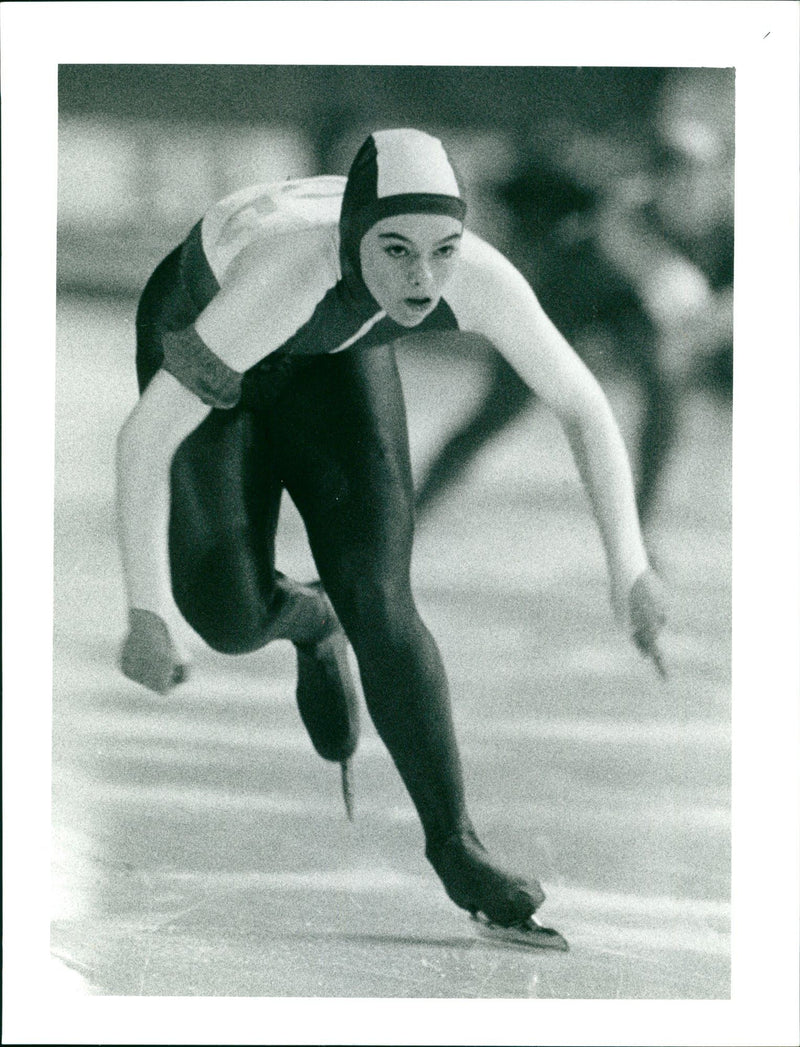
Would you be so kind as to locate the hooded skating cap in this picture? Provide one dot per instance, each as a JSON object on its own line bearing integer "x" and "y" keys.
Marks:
{"x": 395, "y": 172}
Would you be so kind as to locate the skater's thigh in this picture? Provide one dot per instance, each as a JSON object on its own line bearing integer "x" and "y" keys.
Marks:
{"x": 342, "y": 442}
{"x": 225, "y": 484}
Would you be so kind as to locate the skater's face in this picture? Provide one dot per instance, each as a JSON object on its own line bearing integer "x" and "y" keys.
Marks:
{"x": 406, "y": 262}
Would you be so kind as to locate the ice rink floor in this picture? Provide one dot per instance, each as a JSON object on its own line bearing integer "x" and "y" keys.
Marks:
{"x": 200, "y": 845}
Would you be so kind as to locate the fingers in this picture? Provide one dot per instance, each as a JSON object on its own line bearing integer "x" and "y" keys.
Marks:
{"x": 158, "y": 677}
{"x": 647, "y": 600}
{"x": 648, "y": 616}
{"x": 658, "y": 661}
{"x": 148, "y": 656}
{"x": 648, "y": 645}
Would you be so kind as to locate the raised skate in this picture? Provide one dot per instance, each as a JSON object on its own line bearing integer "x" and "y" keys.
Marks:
{"x": 327, "y": 698}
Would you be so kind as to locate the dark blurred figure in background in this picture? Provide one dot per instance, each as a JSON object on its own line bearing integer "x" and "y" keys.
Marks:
{"x": 629, "y": 248}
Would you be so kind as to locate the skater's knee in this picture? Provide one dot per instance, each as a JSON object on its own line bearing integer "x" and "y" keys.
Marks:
{"x": 232, "y": 633}
{"x": 235, "y": 641}
{"x": 377, "y": 609}
{"x": 230, "y": 612}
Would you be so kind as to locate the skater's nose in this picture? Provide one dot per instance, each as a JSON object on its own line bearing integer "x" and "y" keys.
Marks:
{"x": 420, "y": 275}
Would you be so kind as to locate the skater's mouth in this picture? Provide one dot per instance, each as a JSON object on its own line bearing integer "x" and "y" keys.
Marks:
{"x": 418, "y": 305}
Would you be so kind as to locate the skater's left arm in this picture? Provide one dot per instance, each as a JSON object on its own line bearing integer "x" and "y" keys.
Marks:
{"x": 514, "y": 321}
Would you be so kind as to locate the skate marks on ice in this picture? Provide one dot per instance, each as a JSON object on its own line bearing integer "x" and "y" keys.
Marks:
{"x": 337, "y": 932}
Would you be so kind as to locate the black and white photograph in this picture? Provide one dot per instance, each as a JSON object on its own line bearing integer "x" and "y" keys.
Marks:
{"x": 402, "y": 605}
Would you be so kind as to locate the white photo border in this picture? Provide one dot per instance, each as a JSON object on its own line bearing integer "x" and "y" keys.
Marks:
{"x": 759, "y": 39}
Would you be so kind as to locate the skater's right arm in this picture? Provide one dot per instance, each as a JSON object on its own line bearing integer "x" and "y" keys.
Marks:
{"x": 202, "y": 369}
{"x": 164, "y": 416}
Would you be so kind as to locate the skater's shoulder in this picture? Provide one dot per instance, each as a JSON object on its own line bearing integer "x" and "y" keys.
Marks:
{"x": 303, "y": 256}
{"x": 485, "y": 282}
{"x": 289, "y": 225}
{"x": 481, "y": 263}
{"x": 305, "y": 200}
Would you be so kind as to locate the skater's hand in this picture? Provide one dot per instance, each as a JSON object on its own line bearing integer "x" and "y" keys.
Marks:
{"x": 149, "y": 656}
{"x": 647, "y": 609}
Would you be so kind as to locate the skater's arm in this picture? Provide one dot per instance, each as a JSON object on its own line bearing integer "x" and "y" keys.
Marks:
{"x": 514, "y": 321}
{"x": 600, "y": 455}
{"x": 164, "y": 416}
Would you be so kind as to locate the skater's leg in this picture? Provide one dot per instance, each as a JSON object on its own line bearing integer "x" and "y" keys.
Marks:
{"x": 505, "y": 398}
{"x": 226, "y": 497}
{"x": 344, "y": 460}
{"x": 225, "y": 504}
{"x": 343, "y": 451}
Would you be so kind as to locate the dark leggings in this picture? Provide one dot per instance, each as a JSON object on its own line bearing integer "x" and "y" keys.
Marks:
{"x": 335, "y": 438}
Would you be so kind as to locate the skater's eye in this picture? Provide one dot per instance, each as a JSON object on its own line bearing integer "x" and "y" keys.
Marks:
{"x": 446, "y": 250}
{"x": 396, "y": 250}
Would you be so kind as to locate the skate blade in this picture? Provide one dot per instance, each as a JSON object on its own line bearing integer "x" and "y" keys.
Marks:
{"x": 347, "y": 789}
{"x": 529, "y": 934}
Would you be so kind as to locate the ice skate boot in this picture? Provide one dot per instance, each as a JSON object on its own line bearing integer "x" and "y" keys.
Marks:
{"x": 501, "y": 903}
{"x": 327, "y": 698}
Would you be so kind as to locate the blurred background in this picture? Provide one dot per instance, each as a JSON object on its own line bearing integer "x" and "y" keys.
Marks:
{"x": 199, "y": 846}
